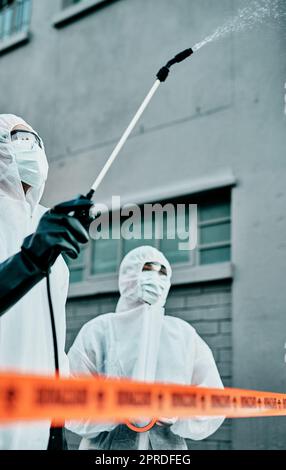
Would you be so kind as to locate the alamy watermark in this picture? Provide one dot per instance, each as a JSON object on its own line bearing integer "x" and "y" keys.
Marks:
{"x": 146, "y": 222}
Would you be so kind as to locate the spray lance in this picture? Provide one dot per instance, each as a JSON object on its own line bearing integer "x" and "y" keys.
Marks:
{"x": 81, "y": 207}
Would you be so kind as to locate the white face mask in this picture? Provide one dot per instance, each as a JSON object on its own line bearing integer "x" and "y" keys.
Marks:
{"x": 31, "y": 162}
{"x": 153, "y": 287}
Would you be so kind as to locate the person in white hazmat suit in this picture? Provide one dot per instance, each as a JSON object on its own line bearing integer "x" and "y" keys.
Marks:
{"x": 31, "y": 240}
{"x": 140, "y": 342}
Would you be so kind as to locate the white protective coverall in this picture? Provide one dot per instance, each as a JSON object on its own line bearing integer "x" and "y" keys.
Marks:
{"x": 25, "y": 330}
{"x": 140, "y": 342}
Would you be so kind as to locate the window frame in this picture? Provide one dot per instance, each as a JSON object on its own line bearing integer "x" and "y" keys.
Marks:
{"x": 207, "y": 223}
{"x": 183, "y": 272}
{"x": 16, "y": 37}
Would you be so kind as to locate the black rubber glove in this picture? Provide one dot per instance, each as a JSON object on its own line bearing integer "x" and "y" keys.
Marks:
{"x": 56, "y": 234}
{"x": 17, "y": 276}
{"x": 80, "y": 207}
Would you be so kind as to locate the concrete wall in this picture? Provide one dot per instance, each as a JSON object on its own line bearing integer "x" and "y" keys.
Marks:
{"x": 221, "y": 111}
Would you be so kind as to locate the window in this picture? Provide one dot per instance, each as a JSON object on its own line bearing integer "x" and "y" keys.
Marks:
{"x": 15, "y": 16}
{"x": 214, "y": 239}
{"x": 104, "y": 256}
{"x": 214, "y": 226}
{"x": 77, "y": 266}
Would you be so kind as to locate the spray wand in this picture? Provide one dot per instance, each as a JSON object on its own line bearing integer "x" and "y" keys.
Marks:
{"x": 81, "y": 206}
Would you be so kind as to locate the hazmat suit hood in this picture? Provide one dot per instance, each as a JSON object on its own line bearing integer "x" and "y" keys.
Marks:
{"x": 129, "y": 277}
{"x": 10, "y": 182}
{"x": 137, "y": 358}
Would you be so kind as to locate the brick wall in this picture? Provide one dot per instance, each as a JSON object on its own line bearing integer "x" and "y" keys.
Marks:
{"x": 207, "y": 307}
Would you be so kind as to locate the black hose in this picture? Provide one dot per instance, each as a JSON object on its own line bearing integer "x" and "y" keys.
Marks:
{"x": 57, "y": 439}
{"x": 53, "y": 325}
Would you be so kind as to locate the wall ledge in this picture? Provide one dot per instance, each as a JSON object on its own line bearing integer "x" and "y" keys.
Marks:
{"x": 74, "y": 12}
{"x": 185, "y": 274}
{"x": 14, "y": 41}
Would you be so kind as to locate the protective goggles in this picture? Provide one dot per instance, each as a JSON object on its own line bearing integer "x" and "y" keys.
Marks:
{"x": 20, "y": 134}
{"x": 154, "y": 266}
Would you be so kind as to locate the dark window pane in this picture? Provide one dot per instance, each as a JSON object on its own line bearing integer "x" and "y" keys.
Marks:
{"x": 78, "y": 262}
{"x": 215, "y": 255}
{"x": 215, "y": 233}
{"x": 26, "y": 14}
{"x": 76, "y": 275}
{"x": 14, "y": 17}
{"x": 173, "y": 254}
{"x": 104, "y": 256}
{"x": 8, "y": 15}
{"x": 68, "y": 3}
{"x": 214, "y": 211}
{"x": 18, "y": 15}
{"x": 4, "y": 3}
{"x": 1, "y": 24}
{"x": 76, "y": 266}
{"x": 169, "y": 246}
{"x": 129, "y": 245}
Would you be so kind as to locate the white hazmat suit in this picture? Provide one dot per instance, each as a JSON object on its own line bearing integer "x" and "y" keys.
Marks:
{"x": 26, "y": 343}
{"x": 140, "y": 342}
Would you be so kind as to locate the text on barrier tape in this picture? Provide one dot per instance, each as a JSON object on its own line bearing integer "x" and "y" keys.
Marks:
{"x": 27, "y": 397}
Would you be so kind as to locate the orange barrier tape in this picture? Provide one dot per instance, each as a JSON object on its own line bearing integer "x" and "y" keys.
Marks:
{"x": 26, "y": 397}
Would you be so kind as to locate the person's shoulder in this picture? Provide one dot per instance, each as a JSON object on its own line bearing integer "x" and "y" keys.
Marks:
{"x": 93, "y": 330}
{"x": 180, "y": 323}
{"x": 95, "y": 322}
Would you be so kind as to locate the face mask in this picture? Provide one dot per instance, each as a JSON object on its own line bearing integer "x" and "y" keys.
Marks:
{"x": 31, "y": 162}
{"x": 153, "y": 287}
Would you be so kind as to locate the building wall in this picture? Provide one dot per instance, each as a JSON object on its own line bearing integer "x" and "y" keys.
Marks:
{"x": 220, "y": 113}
